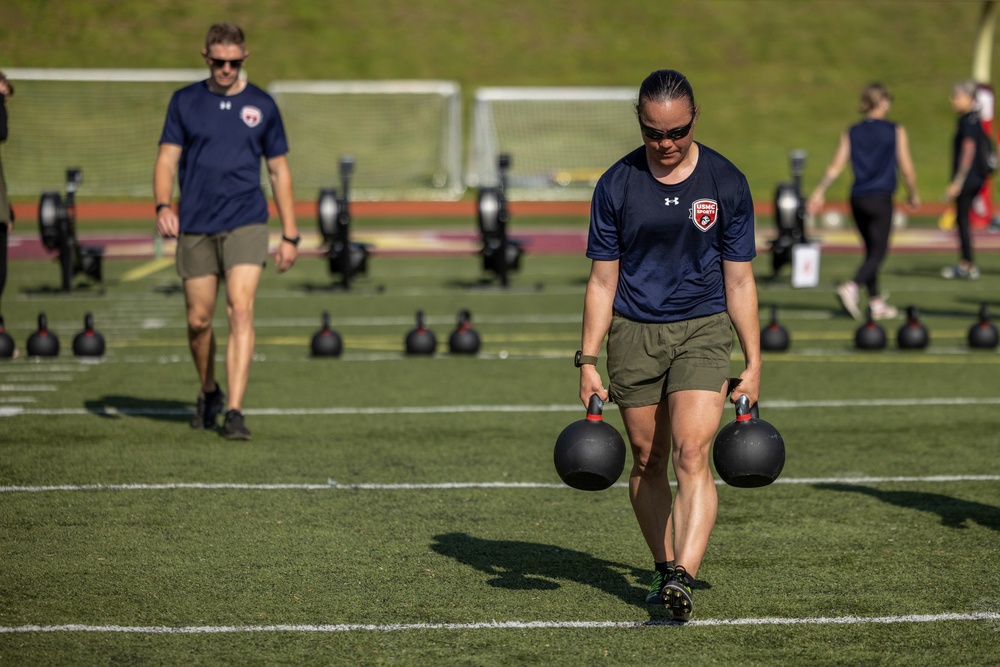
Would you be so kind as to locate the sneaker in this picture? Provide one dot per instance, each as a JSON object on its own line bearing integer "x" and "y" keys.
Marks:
{"x": 233, "y": 428}
{"x": 959, "y": 271}
{"x": 676, "y": 593}
{"x": 881, "y": 310}
{"x": 848, "y": 295}
{"x": 210, "y": 405}
{"x": 659, "y": 578}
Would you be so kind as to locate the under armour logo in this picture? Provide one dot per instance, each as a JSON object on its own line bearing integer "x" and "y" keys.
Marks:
{"x": 672, "y": 200}
{"x": 225, "y": 105}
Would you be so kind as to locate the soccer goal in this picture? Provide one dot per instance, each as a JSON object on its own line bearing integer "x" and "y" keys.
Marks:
{"x": 405, "y": 136}
{"x": 106, "y": 122}
{"x": 560, "y": 140}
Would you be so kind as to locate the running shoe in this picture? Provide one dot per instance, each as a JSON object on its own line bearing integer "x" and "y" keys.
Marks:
{"x": 209, "y": 408}
{"x": 848, "y": 295}
{"x": 233, "y": 428}
{"x": 881, "y": 310}
{"x": 659, "y": 578}
{"x": 676, "y": 593}
{"x": 959, "y": 271}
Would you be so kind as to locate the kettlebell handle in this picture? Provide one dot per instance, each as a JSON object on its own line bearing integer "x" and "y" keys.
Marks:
{"x": 742, "y": 408}
{"x": 595, "y": 407}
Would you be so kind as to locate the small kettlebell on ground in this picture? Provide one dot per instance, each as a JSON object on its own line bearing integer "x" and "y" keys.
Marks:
{"x": 913, "y": 335}
{"x": 983, "y": 334}
{"x": 6, "y": 343}
{"x": 326, "y": 342}
{"x": 42, "y": 343}
{"x": 590, "y": 453}
{"x": 464, "y": 339}
{"x": 748, "y": 451}
{"x": 870, "y": 335}
{"x": 774, "y": 337}
{"x": 89, "y": 342}
{"x": 420, "y": 339}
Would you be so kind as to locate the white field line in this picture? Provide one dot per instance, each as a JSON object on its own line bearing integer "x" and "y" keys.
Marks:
{"x": 459, "y": 409}
{"x": 444, "y": 486}
{"x": 499, "y": 625}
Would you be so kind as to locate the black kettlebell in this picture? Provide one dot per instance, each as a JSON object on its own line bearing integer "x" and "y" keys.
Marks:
{"x": 870, "y": 335}
{"x": 748, "y": 451}
{"x": 983, "y": 334}
{"x": 326, "y": 342}
{"x": 912, "y": 335}
{"x": 590, "y": 453}
{"x": 89, "y": 342}
{"x": 6, "y": 343}
{"x": 464, "y": 339}
{"x": 420, "y": 339}
{"x": 774, "y": 337}
{"x": 42, "y": 343}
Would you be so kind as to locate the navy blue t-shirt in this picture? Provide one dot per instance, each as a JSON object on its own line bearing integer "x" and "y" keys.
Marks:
{"x": 873, "y": 157}
{"x": 671, "y": 239}
{"x": 223, "y": 139}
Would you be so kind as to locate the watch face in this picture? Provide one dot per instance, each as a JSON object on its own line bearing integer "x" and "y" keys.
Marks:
{"x": 576, "y": 359}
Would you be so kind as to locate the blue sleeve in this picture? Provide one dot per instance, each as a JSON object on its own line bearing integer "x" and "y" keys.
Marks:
{"x": 173, "y": 128}
{"x": 738, "y": 243}
{"x": 275, "y": 141}
{"x": 602, "y": 241}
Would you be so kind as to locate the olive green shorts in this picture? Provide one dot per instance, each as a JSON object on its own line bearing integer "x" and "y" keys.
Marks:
{"x": 647, "y": 361}
{"x": 213, "y": 254}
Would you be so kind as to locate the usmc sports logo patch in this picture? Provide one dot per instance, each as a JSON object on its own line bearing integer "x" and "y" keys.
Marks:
{"x": 704, "y": 213}
{"x": 251, "y": 116}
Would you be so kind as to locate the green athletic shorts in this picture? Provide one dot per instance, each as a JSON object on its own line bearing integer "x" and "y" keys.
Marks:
{"x": 648, "y": 361}
{"x": 213, "y": 254}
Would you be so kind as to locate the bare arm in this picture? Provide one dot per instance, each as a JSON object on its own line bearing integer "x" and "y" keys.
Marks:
{"x": 965, "y": 158}
{"x": 833, "y": 170}
{"x": 598, "y": 307}
{"x": 741, "y": 304}
{"x": 281, "y": 186}
{"x": 164, "y": 172}
{"x": 906, "y": 168}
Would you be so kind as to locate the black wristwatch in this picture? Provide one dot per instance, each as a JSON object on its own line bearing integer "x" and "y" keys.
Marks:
{"x": 580, "y": 359}
{"x": 294, "y": 242}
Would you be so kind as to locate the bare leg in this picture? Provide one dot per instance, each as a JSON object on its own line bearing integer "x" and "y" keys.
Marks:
{"x": 648, "y": 430}
{"x": 241, "y": 289}
{"x": 199, "y": 297}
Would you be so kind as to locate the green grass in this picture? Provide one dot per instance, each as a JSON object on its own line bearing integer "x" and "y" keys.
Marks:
{"x": 770, "y": 75}
{"x": 315, "y": 554}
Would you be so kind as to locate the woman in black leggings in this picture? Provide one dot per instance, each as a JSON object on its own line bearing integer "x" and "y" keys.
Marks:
{"x": 967, "y": 176}
{"x": 876, "y": 149}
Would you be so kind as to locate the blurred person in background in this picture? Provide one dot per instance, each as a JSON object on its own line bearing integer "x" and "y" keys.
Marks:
{"x": 671, "y": 242}
{"x": 967, "y": 175}
{"x": 6, "y": 211}
{"x": 877, "y": 149}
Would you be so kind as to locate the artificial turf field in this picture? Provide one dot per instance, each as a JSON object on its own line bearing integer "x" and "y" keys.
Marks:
{"x": 395, "y": 510}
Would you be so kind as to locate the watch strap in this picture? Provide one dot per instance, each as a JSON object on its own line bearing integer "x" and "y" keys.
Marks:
{"x": 582, "y": 359}
{"x": 293, "y": 241}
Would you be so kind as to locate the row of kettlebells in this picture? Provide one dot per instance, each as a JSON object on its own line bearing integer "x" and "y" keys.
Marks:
{"x": 420, "y": 340}
{"x": 45, "y": 343}
{"x": 871, "y": 335}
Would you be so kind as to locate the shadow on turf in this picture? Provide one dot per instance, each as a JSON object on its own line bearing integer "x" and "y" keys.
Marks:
{"x": 954, "y": 513}
{"x": 113, "y": 407}
{"x": 531, "y": 566}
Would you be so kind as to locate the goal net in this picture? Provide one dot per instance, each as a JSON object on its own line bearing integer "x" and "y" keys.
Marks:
{"x": 405, "y": 136}
{"x": 107, "y": 122}
{"x": 560, "y": 140}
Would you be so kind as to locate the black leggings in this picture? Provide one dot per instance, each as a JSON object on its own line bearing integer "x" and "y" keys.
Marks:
{"x": 963, "y": 205}
{"x": 873, "y": 216}
{"x": 3, "y": 258}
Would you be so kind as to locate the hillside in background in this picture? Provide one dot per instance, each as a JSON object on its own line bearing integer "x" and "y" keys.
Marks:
{"x": 770, "y": 75}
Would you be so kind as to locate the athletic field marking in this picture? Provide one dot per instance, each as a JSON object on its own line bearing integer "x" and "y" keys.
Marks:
{"x": 463, "y": 409}
{"x": 147, "y": 269}
{"x": 498, "y": 625}
{"x": 442, "y": 486}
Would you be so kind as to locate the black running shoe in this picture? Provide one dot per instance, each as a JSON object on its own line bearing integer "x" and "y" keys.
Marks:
{"x": 209, "y": 408}
{"x": 654, "y": 595}
{"x": 676, "y": 593}
{"x": 233, "y": 428}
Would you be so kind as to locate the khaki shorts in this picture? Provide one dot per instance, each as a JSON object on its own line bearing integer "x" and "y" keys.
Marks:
{"x": 648, "y": 361}
{"x": 213, "y": 254}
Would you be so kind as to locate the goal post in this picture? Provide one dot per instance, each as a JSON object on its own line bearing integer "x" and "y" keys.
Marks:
{"x": 106, "y": 122}
{"x": 560, "y": 139}
{"x": 405, "y": 136}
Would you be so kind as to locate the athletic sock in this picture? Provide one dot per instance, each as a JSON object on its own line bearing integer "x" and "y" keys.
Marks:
{"x": 665, "y": 567}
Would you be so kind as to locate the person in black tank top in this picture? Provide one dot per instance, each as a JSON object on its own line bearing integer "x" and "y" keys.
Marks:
{"x": 876, "y": 150}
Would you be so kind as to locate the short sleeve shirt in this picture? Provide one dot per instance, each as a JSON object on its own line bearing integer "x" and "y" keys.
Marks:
{"x": 670, "y": 240}
{"x": 223, "y": 140}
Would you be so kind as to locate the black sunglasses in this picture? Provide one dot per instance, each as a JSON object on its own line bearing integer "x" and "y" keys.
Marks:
{"x": 219, "y": 63}
{"x": 658, "y": 135}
